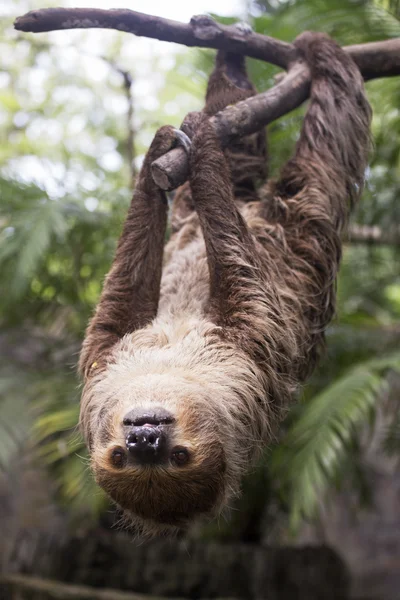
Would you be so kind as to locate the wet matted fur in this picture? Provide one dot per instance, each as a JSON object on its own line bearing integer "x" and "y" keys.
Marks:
{"x": 223, "y": 330}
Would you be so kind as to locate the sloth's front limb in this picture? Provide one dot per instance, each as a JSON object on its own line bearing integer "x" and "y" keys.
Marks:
{"x": 131, "y": 291}
{"x": 240, "y": 295}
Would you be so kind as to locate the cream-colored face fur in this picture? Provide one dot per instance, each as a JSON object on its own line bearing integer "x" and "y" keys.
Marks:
{"x": 168, "y": 494}
{"x": 210, "y": 394}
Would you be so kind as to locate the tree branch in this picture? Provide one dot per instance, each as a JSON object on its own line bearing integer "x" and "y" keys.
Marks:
{"x": 248, "y": 116}
{"x": 376, "y": 59}
{"x": 50, "y": 589}
{"x": 130, "y": 141}
{"x": 202, "y": 31}
{"x": 373, "y": 235}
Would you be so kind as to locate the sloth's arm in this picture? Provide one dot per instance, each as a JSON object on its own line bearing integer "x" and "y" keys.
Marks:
{"x": 240, "y": 301}
{"x": 131, "y": 290}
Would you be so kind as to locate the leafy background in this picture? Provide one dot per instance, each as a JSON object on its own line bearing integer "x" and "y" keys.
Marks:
{"x": 65, "y": 183}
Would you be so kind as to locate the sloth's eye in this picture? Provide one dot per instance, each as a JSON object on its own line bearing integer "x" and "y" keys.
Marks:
{"x": 180, "y": 456}
{"x": 118, "y": 457}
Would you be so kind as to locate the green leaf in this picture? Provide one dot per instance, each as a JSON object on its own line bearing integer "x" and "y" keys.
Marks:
{"x": 313, "y": 452}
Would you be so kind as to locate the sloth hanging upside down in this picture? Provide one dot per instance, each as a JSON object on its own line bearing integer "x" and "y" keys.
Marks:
{"x": 195, "y": 348}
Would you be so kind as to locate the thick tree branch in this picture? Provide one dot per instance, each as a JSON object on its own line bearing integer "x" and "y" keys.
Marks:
{"x": 248, "y": 116}
{"x": 377, "y": 59}
{"x": 202, "y": 31}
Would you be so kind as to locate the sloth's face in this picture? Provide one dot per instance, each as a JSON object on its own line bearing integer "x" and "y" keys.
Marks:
{"x": 160, "y": 459}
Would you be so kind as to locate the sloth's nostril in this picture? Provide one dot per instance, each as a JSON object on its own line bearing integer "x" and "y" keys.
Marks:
{"x": 147, "y": 444}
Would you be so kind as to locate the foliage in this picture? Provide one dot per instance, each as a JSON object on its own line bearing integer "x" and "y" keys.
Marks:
{"x": 40, "y": 412}
{"x": 317, "y": 444}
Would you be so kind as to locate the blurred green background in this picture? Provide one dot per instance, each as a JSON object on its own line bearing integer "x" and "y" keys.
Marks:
{"x": 77, "y": 113}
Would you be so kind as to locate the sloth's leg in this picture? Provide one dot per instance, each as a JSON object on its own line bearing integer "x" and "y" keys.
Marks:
{"x": 328, "y": 167}
{"x": 132, "y": 287}
{"x": 324, "y": 179}
{"x": 310, "y": 203}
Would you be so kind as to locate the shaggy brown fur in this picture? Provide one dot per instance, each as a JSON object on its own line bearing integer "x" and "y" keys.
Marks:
{"x": 223, "y": 334}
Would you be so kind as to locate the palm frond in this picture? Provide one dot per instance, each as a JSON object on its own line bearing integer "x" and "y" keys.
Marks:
{"x": 317, "y": 444}
{"x": 15, "y": 419}
{"x": 391, "y": 441}
{"x": 34, "y": 236}
{"x": 61, "y": 448}
{"x": 39, "y": 413}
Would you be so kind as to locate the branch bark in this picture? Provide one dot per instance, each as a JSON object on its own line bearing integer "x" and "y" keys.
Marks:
{"x": 376, "y": 59}
{"x": 248, "y": 116}
{"x": 202, "y": 31}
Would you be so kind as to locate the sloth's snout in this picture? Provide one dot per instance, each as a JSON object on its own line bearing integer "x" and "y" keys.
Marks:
{"x": 146, "y": 434}
{"x": 147, "y": 444}
{"x": 156, "y": 416}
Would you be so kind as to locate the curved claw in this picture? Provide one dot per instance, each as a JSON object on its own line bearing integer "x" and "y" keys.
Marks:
{"x": 183, "y": 140}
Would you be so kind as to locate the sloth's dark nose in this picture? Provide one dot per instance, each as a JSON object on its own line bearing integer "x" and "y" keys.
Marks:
{"x": 146, "y": 444}
{"x": 155, "y": 416}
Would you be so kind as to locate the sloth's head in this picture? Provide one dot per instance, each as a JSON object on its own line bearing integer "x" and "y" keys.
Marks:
{"x": 158, "y": 452}
{"x": 160, "y": 467}
{"x": 171, "y": 427}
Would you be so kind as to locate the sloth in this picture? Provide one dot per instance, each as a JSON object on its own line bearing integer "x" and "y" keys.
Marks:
{"x": 197, "y": 345}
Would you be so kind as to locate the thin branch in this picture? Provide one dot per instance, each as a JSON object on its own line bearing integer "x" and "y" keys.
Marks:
{"x": 131, "y": 132}
{"x": 374, "y": 235}
{"x": 377, "y": 59}
{"x": 130, "y": 140}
